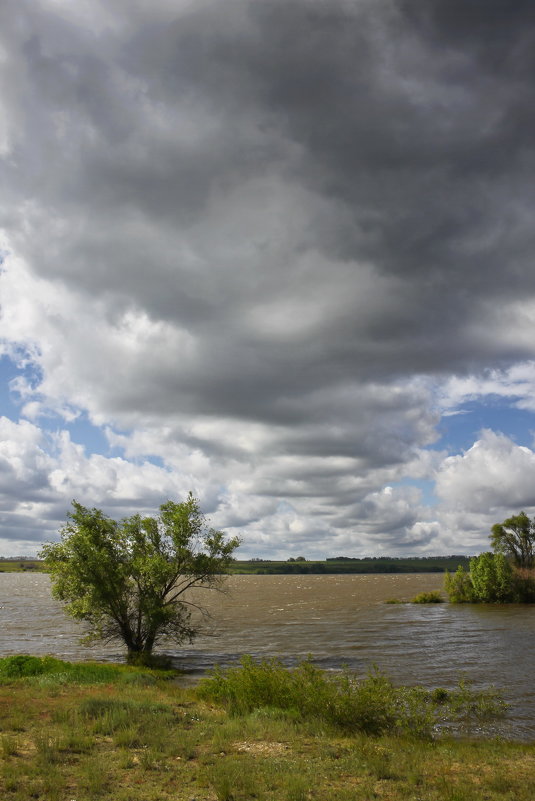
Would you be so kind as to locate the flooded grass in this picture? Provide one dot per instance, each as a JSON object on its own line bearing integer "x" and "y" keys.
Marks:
{"x": 136, "y": 741}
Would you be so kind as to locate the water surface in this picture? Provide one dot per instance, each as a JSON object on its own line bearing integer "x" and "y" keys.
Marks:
{"x": 338, "y": 620}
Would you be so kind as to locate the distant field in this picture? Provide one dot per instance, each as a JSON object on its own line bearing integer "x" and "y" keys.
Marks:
{"x": 432, "y": 564}
{"x": 19, "y": 565}
{"x": 383, "y": 564}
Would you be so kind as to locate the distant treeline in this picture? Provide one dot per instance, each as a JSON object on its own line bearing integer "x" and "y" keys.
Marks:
{"x": 333, "y": 564}
{"x": 348, "y": 564}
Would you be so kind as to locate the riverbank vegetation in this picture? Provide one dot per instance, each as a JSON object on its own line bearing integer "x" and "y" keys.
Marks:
{"x": 506, "y": 575}
{"x": 92, "y": 731}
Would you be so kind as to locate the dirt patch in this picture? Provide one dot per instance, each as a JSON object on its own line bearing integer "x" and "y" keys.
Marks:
{"x": 262, "y": 747}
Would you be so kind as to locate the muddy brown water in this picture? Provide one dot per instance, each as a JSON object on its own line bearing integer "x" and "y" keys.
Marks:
{"x": 338, "y": 620}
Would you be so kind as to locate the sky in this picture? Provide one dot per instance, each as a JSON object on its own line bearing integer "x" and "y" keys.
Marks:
{"x": 279, "y": 253}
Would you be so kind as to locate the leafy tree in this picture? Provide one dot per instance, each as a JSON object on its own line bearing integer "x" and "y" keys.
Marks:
{"x": 129, "y": 580}
{"x": 515, "y": 538}
{"x": 459, "y": 586}
{"x": 492, "y": 578}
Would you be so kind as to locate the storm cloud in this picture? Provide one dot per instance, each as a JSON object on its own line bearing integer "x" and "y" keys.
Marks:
{"x": 262, "y": 245}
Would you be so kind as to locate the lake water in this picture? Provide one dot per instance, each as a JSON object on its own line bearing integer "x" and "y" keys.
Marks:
{"x": 338, "y": 620}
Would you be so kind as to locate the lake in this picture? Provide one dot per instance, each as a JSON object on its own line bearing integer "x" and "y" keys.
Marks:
{"x": 338, "y": 620}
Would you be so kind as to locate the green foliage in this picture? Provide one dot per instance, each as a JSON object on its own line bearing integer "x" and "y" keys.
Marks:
{"x": 492, "y": 578}
{"x": 372, "y": 705}
{"x": 433, "y": 597}
{"x": 459, "y": 587}
{"x": 515, "y": 538}
{"x": 129, "y": 580}
{"x": 22, "y": 666}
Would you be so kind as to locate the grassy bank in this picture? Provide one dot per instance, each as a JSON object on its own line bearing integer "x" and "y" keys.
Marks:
{"x": 107, "y": 732}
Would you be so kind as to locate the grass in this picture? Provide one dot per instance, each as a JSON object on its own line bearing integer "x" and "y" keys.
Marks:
{"x": 129, "y": 739}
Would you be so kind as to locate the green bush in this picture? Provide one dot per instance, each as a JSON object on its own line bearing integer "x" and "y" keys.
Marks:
{"x": 372, "y": 705}
{"x": 22, "y": 666}
{"x": 459, "y": 587}
{"x": 492, "y": 578}
{"x": 428, "y": 598}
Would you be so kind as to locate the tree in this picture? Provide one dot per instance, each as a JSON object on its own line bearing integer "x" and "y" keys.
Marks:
{"x": 515, "y": 538}
{"x": 459, "y": 586}
{"x": 129, "y": 580}
{"x": 492, "y": 578}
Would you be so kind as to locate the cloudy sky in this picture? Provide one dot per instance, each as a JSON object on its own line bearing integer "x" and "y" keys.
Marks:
{"x": 278, "y": 252}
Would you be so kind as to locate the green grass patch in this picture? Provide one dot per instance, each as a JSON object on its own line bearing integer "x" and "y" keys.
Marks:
{"x": 49, "y": 671}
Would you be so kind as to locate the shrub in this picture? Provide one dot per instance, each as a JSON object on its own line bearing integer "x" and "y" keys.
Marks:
{"x": 492, "y": 578}
{"x": 21, "y": 666}
{"x": 459, "y": 587}
{"x": 428, "y": 598}
{"x": 372, "y": 705}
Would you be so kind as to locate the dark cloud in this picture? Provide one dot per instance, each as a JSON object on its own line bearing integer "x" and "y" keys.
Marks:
{"x": 277, "y": 216}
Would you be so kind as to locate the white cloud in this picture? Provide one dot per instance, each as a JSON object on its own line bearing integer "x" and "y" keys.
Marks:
{"x": 494, "y": 474}
{"x": 238, "y": 261}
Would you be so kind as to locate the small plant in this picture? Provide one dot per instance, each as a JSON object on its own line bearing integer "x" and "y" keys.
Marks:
{"x": 47, "y": 748}
{"x": 10, "y": 745}
{"x": 393, "y": 601}
{"x": 433, "y": 597}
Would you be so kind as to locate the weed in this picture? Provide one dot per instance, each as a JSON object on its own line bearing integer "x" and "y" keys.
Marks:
{"x": 48, "y": 749}
{"x": 9, "y": 745}
{"x": 232, "y": 783}
{"x": 297, "y": 788}
{"x": 94, "y": 781}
